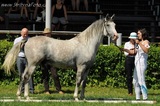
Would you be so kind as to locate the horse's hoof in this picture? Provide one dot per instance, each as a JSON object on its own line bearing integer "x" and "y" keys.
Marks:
{"x": 18, "y": 93}
{"x": 76, "y": 99}
{"x": 82, "y": 98}
{"x": 19, "y": 97}
{"x": 27, "y": 98}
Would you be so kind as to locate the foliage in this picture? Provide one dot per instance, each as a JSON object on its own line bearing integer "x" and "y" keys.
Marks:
{"x": 108, "y": 69}
{"x": 153, "y": 69}
{"x": 4, "y": 47}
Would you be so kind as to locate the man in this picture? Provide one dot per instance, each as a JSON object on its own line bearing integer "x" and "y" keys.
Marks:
{"x": 45, "y": 71}
{"x": 21, "y": 60}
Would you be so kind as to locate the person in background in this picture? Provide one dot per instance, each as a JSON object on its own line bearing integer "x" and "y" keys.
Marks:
{"x": 33, "y": 8}
{"x": 23, "y": 9}
{"x": 130, "y": 52}
{"x": 45, "y": 71}
{"x": 39, "y": 7}
{"x": 21, "y": 60}
{"x": 2, "y": 14}
{"x": 1, "y": 18}
{"x": 59, "y": 14}
{"x": 141, "y": 57}
{"x": 76, "y": 4}
{"x": 14, "y": 8}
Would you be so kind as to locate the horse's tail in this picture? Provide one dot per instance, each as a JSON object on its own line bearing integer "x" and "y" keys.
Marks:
{"x": 10, "y": 58}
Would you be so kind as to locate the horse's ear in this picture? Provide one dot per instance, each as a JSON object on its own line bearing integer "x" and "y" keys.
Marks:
{"x": 107, "y": 17}
{"x": 112, "y": 17}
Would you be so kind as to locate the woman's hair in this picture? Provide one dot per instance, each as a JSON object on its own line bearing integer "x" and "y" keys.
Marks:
{"x": 144, "y": 33}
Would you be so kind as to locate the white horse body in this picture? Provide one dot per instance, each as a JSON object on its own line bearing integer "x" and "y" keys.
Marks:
{"x": 78, "y": 53}
{"x": 61, "y": 53}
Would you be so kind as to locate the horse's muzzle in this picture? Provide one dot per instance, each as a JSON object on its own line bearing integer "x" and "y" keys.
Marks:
{"x": 115, "y": 37}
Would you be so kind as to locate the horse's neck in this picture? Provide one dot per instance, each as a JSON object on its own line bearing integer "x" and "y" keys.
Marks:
{"x": 91, "y": 38}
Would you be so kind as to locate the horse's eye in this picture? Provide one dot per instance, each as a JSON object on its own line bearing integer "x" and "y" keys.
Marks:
{"x": 107, "y": 24}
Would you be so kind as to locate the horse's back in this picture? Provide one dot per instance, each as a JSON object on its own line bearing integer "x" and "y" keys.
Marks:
{"x": 57, "y": 51}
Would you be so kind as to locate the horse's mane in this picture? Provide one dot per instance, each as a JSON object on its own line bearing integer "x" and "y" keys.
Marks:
{"x": 94, "y": 29}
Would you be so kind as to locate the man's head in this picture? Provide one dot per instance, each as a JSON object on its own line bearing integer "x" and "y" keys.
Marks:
{"x": 24, "y": 32}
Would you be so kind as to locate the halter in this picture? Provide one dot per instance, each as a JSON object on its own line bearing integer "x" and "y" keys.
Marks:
{"x": 105, "y": 26}
{"x": 105, "y": 20}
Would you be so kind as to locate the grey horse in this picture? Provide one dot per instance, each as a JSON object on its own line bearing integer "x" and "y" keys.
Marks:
{"x": 78, "y": 52}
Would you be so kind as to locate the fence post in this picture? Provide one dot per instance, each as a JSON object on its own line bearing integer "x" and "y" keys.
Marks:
{"x": 48, "y": 14}
{"x": 119, "y": 40}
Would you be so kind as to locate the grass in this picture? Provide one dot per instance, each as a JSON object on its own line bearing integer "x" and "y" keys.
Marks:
{"x": 92, "y": 93}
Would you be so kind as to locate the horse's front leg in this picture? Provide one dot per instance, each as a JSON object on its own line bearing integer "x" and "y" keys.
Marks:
{"x": 84, "y": 79}
{"x": 76, "y": 93}
{"x": 78, "y": 81}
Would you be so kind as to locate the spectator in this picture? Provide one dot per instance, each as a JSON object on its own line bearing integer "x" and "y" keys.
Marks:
{"x": 59, "y": 14}
{"x": 22, "y": 4}
{"x": 21, "y": 60}
{"x": 32, "y": 8}
{"x": 2, "y": 14}
{"x": 141, "y": 64}
{"x": 37, "y": 11}
{"x": 23, "y": 7}
{"x": 1, "y": 18}
{"x": 39, "y": 7}
{"x": 129, "y": 51}
{"x": 45, "y": 71}
{"x": 76, "y": 4}
{"x": 14, "y": 7}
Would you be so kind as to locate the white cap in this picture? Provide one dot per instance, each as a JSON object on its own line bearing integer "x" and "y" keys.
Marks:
{"x": 133, "y": 35}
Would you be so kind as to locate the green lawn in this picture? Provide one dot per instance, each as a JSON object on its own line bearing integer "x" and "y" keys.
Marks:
{"x": 92, "y": 93}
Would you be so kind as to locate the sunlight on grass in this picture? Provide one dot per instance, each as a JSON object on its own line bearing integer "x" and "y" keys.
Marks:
{"x": 92, "y": 93}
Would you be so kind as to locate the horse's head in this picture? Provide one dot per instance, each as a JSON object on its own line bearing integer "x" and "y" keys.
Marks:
{"x": 109, "y": 27}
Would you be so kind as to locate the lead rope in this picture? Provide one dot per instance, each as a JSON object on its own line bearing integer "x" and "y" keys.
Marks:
{"x": 120, "y": 54}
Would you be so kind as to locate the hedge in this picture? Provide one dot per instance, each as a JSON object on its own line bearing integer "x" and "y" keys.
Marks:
{"x": 107, "y": 71}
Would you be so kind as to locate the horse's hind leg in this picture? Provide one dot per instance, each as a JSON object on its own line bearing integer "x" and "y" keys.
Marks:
{"x": 25, "y": 78}
{"x": 22, "y": 81}
{"x": 19, "y": 89}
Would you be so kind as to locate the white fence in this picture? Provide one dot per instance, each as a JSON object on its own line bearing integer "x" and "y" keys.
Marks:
{"x": 65, "y": 33}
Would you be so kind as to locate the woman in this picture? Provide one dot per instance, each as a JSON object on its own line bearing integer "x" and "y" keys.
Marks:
{"x": 23, "y": 8}
{"x": 76, "y": 4}
{"x": 141, "y": 64}
{"x": 59, "y": 13}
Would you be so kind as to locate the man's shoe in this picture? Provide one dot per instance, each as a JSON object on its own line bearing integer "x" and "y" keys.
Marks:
{"x": 130, "y": 94}
{"x": 61, "y": 92}
{"x": 47, "y": 92}
{"x": 32, "y": 92}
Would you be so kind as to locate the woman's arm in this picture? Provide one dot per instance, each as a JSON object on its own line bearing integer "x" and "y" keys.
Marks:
{"x": 145, "y": 46}
{"x": 53, "y": 8}
{"x": 65, "y": 12}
